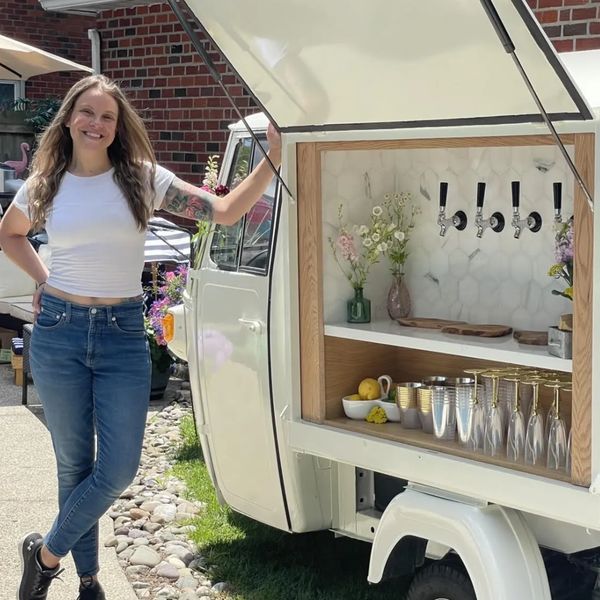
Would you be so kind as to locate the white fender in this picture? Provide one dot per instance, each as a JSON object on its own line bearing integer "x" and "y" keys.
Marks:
{"x": 495, "y": 544}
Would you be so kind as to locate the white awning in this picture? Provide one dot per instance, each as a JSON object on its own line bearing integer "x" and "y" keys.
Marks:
{"x": 19, "y": 61}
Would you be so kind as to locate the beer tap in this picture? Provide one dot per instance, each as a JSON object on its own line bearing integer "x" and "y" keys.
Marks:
{"x": 458, "y": 219}
{"x": 533, "y": 222}
{"x": 496, "y": 220}
{"x": 557, "y": 189}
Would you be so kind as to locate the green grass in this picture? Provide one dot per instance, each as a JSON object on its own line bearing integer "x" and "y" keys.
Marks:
{"x": 262, "y": 563}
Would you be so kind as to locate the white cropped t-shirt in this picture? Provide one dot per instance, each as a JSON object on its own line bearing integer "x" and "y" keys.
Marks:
{"x": 96, "y": 246}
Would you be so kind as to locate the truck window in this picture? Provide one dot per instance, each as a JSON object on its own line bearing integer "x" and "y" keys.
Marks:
{"x": 224, "y": 250}
{"x": 257, "y": 226}
{"x": 245, "y": 245}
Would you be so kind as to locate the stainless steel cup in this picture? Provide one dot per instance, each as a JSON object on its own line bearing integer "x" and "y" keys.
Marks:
{"x": 424, "y": 394}
{"x": 406, "y": 398}
{"x": 435, "y": 380}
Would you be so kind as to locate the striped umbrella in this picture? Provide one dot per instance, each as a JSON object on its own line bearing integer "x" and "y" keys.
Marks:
{"x": 166, "y": 242}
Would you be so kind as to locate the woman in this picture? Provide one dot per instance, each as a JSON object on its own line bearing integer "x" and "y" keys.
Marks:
{"x": 94, "y": 184}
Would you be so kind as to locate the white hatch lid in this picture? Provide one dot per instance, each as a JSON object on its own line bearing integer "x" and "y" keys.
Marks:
{"x": 335, "y": 64}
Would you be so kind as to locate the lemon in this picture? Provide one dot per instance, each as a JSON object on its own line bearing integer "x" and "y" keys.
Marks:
{"x": 354, "y": 397}
{"x": 368, "y": 389}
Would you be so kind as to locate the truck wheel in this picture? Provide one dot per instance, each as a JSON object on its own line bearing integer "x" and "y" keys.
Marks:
{"x": 441, "y": 582}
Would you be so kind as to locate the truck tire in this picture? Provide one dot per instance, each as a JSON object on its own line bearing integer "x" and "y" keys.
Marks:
{"x": 441, "y": 581}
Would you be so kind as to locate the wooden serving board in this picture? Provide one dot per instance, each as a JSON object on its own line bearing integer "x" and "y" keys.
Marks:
{"x": 532, "y": 338}
{"x": 426, "y": 323}
{"x": 478, "y": 330}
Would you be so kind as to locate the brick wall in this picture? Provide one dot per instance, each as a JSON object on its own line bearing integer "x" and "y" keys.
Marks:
{"x": 186, "y": 112}
{"x": 570, "y": 24}
{"x": 65, "y": 35}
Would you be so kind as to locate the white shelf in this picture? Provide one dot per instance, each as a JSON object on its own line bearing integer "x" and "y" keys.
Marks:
{"x": 502, "y": 349}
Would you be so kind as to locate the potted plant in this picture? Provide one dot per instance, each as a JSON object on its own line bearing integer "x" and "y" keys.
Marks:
{"x": 166, "y": 295}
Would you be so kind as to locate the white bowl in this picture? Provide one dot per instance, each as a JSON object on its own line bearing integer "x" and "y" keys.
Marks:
{"x": 392, "y": 410}
{"x": 358, "y": 409}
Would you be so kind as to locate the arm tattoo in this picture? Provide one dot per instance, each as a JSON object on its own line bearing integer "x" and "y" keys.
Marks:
{"x": 188, "y": 201}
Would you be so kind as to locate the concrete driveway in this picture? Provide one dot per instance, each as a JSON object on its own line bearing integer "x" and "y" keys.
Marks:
{"x": 28, "y": 497}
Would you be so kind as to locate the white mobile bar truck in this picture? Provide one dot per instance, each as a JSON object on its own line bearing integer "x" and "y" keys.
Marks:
{"x": 391, "y": 97}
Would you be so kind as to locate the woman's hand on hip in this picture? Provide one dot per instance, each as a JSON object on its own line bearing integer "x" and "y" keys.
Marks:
{"x": 36, "y": 300}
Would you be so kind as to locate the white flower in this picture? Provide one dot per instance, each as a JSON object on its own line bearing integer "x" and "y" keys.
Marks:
{"x": 396, "y": 196}
{"x": 376, "y": 237}
{"x": 382, "y": 247}
{"x": 363, "y": 229}
{"x": 367, "y": 242}
{"x": 377, "y": 211}
{"x": 387, "y": 196}
{"x": 399, "y": 235}
{"x": 391, "y": 226}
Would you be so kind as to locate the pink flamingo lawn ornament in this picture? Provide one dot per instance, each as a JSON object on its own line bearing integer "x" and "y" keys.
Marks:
{"x": 19, "y": 165}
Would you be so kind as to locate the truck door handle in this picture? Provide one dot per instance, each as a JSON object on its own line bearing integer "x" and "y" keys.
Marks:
{"x": 252, "y": 325}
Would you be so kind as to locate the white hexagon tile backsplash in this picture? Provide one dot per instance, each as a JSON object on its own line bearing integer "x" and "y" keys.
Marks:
{"x": 492, "y": 279}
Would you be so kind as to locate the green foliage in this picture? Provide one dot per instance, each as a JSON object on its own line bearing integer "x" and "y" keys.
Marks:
{"x": 262, "y": 563}
{"x": 40, "y": 112}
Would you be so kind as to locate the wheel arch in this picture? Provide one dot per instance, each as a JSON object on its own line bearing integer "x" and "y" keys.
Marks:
{"x": 490, "y": 540}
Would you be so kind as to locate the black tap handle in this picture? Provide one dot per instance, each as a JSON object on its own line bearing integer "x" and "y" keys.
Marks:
{"x": 443, "y": 193}
{"x": 516, "y": 190}
{"x": 557, "y": 185}
{"x": 480, "y": 194}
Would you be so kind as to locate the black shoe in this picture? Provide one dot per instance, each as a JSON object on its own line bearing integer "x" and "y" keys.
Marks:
{"x": 90, "y": 589}
{"x": 35, "y": 580}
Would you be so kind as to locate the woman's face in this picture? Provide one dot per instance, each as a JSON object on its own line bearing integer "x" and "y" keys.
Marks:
{"x": 93, "y": 121}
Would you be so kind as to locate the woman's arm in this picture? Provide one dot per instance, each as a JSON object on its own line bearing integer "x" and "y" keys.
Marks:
{"x": 192, "y": 202}
{"x": 14, "y": 227}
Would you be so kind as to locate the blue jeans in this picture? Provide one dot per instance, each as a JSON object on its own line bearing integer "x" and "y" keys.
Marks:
{"x": 91, "y": 367}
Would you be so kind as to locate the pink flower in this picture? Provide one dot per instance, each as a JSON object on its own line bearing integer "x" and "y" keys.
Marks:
{"x": 345, "y": 243}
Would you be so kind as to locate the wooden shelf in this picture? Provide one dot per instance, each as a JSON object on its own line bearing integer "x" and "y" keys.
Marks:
{"x": 503, "y": 349}
{"x": 417, "y": 437}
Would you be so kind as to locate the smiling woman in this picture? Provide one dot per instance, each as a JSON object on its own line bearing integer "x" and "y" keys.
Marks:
{"x": 93, "y": 127}
{"x": 94, "y": 185}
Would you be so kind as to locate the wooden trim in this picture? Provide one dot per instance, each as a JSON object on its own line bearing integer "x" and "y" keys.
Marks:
{"x": 581, "y": 444}
{"x": 472, "y": 142}
{"x": 310, "y": 257}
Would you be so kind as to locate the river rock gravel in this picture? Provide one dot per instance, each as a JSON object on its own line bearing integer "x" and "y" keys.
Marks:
{"x": 152, "y": 518}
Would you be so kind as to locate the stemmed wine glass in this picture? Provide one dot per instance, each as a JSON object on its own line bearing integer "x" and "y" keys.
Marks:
{"x": 535, "y": 442}
{"x": 477, "y": 420}
{"x": 515, "y": 438}
{"x": 557, "y": 434}
{"x": 494, "y": 428}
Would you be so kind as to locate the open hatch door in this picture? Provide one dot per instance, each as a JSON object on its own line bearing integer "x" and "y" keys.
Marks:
{"x": 315, "y": 65}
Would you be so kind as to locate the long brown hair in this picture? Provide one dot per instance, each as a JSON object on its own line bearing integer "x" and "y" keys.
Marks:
{"x": 129, "y": 151}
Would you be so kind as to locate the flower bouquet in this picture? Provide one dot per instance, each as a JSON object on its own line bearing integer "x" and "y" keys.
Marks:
{"x": 166, "y": 295}
{"x": 204, "y": 228}
{"x": 399, "y": 216}
{"x": 356, "y": 249}
{"x": 563, "y": 254}
{"x": 560, "y": 338}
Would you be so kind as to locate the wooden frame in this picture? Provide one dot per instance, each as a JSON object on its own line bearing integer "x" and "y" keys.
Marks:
{"x": 312, "y": 342}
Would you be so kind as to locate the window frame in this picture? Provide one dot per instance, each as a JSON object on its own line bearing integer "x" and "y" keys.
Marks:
{"x": 18, "y": 88}
{"x": 237, "y": 266}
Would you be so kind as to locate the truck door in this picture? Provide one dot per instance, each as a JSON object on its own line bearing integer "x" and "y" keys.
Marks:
{"x": 231, "y": 298}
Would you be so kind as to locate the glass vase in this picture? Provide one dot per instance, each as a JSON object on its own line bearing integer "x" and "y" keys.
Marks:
{"x": 358, "y": 308}
{"x": 398, "y": 300}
